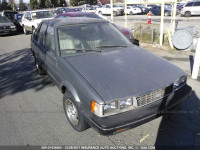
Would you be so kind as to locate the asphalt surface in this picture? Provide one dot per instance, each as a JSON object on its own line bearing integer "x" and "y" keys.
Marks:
{"x": 31, "y": 111}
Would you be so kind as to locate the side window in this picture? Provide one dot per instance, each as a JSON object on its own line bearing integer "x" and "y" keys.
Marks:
{"x": 189, "y": 4}
{"x": 41, "y": 34}
{"x": 196, "y": 4}
{"x": 50, "y": 42}
{"x": 25, "y": 16}
{"x": 28, "y": 15}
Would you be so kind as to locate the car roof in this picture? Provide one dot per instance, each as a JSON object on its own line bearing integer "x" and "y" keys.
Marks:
{"x": 68, "y": 21}
{"x": 76, "y": 13}
{"x": 37, "y": 10}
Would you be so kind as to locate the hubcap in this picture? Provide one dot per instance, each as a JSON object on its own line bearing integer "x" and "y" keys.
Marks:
{"x": 37, "y": 66}
{"x": 72, "y": 112}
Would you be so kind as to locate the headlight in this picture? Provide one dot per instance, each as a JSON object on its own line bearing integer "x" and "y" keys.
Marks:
{"x": 180, "y": 82}
{"x": 109, "y": 107}
{"x": 12, "y": 27}
{"x": 126, "y": 103}
{"x": 113, "y": 107}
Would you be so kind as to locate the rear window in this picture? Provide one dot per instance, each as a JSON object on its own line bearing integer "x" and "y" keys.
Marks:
{"x": 189, "y": 4}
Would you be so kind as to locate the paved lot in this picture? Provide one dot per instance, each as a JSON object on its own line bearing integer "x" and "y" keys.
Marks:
{"x": 31, "y": 111}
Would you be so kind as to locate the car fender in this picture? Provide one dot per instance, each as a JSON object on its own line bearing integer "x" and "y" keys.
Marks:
{"x": 70, "y": 88}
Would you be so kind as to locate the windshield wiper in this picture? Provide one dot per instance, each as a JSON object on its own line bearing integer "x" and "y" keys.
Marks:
{"x": 105, "y": 46}
{"x": 81, "y": 50}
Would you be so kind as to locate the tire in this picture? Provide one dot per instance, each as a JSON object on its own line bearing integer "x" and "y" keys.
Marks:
{"x": 115, "y": 13}
{"x": 100, "y": 13}
{"x": 131, "y": 13}
{"x": 39, "y": 68}
{"x": 187, "y": 14}
{"x": 73, "y": 114}
{"x": 166, "y": 14}
{"x": 33, "y": 30}
{"x": 25, "y": 31}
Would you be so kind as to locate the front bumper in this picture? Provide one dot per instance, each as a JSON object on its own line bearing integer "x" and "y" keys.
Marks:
{"x": 8, "y": 31}
{"x": 130, "y": 119}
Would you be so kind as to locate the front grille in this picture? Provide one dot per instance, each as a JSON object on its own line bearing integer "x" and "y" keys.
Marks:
{"x": 5, "y": 27}
{"x": 153, "y": 96}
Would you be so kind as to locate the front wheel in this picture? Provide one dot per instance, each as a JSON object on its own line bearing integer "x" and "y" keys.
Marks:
{"x": 131, "y": 13}
{"x": 39, "y": 68}
{"x": 73, "y": 114}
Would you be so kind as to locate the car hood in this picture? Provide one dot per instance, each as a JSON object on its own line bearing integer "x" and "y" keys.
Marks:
{"x": 6, "y": 24}
{"x": 126, "y": 72}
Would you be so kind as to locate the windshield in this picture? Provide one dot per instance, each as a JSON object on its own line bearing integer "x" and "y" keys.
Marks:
{"x": 4, "y": 20}
{"x": 42, "y": 14}
{"x": 87, "y": 38}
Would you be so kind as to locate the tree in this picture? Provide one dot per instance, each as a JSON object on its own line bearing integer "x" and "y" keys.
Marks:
{"x": 11, "y": 4}
{"x": 41, "y": 3}
{"x": 48, "y": 4}
{"x": 22, "y": 6}
{"x": 54, "y": 3}
{"x": 5, "y": 6}
{"x": 62, "y": 3}
{"x": 33, "y": 4}
{"x": 74, "y": 2}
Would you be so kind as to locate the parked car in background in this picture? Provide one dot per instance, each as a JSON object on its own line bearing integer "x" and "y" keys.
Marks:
{"x": 54, "y": 12}
{"x": 108, "y": 83}
{"x": 106, "y": 10}
{"x": 31, "y": 19}
{"x": 9, "y": 14}
{"x": 89, "y": 9}
{"x": 156, "y": 10}
{"x": 14, "y": 17}
{"x": 61, "y": 10}
{"x": 191, "y": 8}
{"x": 150, "y": 6}
{"x": 18, "y": 22}
{"x": 125, "y": 31}
{"x": 144, "y": 9}
{"x": 132, "y": 10}
{"x": 6, "y": 26}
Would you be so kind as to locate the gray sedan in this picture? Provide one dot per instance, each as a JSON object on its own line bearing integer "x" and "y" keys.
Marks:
{"x": 6, "y": 26}
{"x": 108, "y": 83}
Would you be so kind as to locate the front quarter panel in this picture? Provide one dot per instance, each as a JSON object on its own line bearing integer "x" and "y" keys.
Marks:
{"x": 77, "y": 85}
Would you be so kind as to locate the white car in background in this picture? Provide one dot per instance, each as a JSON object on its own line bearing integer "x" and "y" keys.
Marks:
{"x": 31, "y": 19}
{"x": 131, "y": 10}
